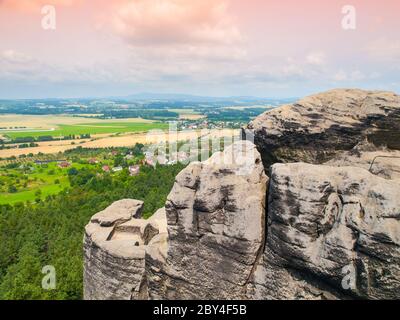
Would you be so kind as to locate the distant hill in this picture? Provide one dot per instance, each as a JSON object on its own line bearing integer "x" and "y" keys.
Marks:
{"x": 205, "y": 99}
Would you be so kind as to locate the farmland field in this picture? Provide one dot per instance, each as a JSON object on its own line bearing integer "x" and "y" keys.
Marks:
{"x": 88, "y": 128}
{"x": 63, "y": 126}
{"x": 187, "y": 114}
{"x": 49, "y": 121}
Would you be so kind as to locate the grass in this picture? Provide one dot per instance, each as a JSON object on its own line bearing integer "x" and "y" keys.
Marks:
{"x": 92, "y": 128}
{"x": 43, "y": 181}
{"x": 29, "y": 195}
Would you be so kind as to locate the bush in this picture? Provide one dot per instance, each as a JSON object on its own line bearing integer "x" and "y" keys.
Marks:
{"x": 12, "y": 189}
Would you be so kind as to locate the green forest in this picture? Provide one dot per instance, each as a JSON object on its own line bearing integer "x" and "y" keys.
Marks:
{"x": 51, "y": 231}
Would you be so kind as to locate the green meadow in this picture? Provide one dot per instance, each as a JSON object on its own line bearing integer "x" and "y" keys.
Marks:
{"x": 92, "y": 128}
{"x": 31, "y": 184}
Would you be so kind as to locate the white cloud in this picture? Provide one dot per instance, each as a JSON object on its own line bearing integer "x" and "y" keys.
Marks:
{"x": 354, "y": 76}
{"x": 340, "y": 76}
{"x": 384, "y": 50}
{"x": 11, "y": 56}
{"x": 316, "y": 58}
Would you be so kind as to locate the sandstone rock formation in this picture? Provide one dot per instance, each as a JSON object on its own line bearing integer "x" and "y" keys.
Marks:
{"x": 328, "y": 222}
{"x": 327, "y": 229}
{"x": 380, "y": 161}
{"x": 216, "y": 217}
{"x": 114, "y": 251}
{"x": 318, "y": 128}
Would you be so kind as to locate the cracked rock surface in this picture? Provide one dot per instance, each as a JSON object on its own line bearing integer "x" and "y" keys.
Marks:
{"x": 319, "y": 127}
{"x": 215, "y": 215}
{"x": 324, "y": 222}
{"x": 115, "y": 245}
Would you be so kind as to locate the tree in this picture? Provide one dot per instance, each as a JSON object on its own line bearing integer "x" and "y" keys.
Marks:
{"x": 73, "y": 171}
{"x": 12, "y": 189}
{"x": 50, "y": 231}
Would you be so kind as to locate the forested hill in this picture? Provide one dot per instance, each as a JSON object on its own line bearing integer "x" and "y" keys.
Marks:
{"x": 51, "y": 232}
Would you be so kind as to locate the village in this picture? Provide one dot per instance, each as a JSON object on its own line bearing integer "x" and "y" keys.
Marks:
{"x": 34, "y": 178}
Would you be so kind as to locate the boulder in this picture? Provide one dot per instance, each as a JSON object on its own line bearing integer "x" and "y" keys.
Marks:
{"x": 320, "y": 127}
{"x": 119, "y": 211}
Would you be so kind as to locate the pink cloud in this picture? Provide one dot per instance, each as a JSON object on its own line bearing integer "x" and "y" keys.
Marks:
{"x": 143, "y": 22}
{"x": 35, "y": 5}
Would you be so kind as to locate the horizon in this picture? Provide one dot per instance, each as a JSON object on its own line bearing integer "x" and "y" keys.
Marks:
{"x": 136, "y": 96}
{"x": 185, "y": 96}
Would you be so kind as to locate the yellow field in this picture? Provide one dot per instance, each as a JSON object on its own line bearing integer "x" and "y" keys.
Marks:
{"x": 187, "y": 114}
{"x": 191, "y": 116}
{"x": 241, "y": 108}
{"x": 116, "y": 141}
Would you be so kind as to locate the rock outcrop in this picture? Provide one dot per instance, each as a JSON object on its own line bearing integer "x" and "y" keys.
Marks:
{"x": 115, "y": 245}
{"x": 326, "y": 229}
{"x": 381, "y": 161}
{"x": 216, "y": 215}
{"x": 339, "y": 227}
{"x": 320, "y": 127}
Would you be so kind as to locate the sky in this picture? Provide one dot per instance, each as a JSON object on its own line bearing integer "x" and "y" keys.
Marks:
{"x": 263, "y": 48}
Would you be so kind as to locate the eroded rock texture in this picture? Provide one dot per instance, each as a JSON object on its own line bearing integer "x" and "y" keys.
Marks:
{"x": 318, "y": 128}
{"x": 115, "y": 245}
{"x": 216, "y": 216}
{"x": 325, "y": 223}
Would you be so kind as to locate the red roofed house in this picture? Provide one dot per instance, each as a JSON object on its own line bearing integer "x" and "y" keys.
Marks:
{"x": 64, "y": 164}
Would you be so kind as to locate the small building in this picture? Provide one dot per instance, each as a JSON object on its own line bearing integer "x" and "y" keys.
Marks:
{"x": 134, "y": 170}
{"x": 150, "y": 162}
{"x": 106, "y": 168}
{"x": 129, "y": 157}
{"x": 64, "y": 165}
{"x": 93, "y": 161}
{"x": 162, "y": 160}
{"x": 117, "y": 169}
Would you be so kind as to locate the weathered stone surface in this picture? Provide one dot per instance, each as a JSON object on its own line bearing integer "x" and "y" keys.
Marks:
{"x": 215, "y": 215}
{"x": 380, "y": 161}
{"x": 120, "y": 211}
{"x": 320, "y": 127}
{"x": 115, "y": 245}
{"x": 325, "y": 221}
{"x": 273, "y": 281}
